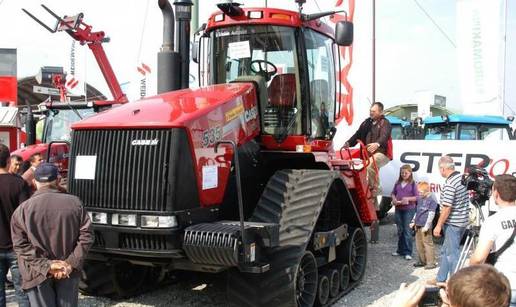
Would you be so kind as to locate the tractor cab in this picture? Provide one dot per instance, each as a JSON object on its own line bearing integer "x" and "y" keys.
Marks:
{"x": 292, "y": 59}
{"x": 56, "y": 120}
{"x": 53, "y": 130}
{"x": 468, "y": 127}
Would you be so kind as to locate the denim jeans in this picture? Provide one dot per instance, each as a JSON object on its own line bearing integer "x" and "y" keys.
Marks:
{"x": 8, "y": 261}
{"x": 405, "y": 239}
{"x": 450, "y": 251}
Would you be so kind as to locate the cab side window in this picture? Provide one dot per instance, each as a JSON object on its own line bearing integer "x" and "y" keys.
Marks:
{"x": 494, "y": 133}
{"x": 321, "y": 73}
{"x": 468, "y": 132}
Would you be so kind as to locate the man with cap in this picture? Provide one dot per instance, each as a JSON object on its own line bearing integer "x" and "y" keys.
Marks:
{"x": 13, "y": 191}
{"x": 51, "y": 235}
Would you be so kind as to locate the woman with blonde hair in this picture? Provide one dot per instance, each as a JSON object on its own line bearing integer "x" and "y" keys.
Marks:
{"x": 404, "y": 200}
{"x": 422, "y": 224}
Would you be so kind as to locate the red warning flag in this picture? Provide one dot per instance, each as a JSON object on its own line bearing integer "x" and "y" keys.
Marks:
{"x": 72, "y": 83}
{"x": 143, "y": 69}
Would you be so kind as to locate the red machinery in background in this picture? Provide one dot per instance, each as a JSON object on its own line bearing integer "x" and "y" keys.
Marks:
{"x": 58, "y": 116}
{"x": 82, "y": 33}
{"x": 8, "y": 90}
{"x": 10, "y": 132}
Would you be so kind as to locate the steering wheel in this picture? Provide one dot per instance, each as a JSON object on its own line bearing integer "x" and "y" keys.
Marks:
{"x": 263, "y": 68}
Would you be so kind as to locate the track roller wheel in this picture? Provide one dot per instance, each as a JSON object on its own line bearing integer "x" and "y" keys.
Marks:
{"x": 306, "y": 280}
{"x": 344, "y": 276}
{"x": 116, "y": 280}
{"x": 356, "y": 253}
{"x": 334, "y": 278}
{"x": 323, "y": 291}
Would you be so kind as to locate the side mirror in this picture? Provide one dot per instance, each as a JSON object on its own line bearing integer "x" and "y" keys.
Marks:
{"x": 344, "y": 33}
{"x": 195, "y": 52}
{"x": 196, "y": 43}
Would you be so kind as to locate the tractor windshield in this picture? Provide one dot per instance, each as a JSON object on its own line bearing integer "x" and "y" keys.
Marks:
{"x": 266, "y": 51}
{"x": 58, "y": 122}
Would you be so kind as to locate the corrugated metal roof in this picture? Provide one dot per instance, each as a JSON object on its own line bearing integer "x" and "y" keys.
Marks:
{"x": 8, "y": 116}
{"x": 27, "y": 95}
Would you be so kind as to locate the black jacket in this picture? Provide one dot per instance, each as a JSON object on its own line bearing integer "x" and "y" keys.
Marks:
{"x": 370, "y": 132}
{"x": 13, "y": 191}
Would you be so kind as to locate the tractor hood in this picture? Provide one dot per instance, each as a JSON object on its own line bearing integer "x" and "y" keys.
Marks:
{"x": 29, "y": 150}
{"x": 172, "y": 109}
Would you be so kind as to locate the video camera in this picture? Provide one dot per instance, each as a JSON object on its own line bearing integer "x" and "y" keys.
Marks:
{"x": 477, "y": 180}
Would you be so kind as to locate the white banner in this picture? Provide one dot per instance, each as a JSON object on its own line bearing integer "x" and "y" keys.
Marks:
{"x": 479, "y": 45}
{"x": 423, "y": 156}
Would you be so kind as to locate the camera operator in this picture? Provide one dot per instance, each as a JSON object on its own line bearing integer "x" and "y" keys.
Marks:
{"x": 453, "y": 219}
{"x": 497, "y": 231}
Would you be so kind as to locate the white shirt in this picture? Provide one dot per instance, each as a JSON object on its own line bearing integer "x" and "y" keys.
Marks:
{"x": 498, "y": 228}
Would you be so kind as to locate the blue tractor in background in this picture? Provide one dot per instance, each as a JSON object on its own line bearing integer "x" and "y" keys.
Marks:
{"x": 417, "y": 143}
{"x": 468, "y": 127}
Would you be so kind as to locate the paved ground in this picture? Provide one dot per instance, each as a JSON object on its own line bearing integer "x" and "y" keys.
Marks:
{"x": 383, "y": 277}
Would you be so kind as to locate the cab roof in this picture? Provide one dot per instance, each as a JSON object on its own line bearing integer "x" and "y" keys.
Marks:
{"x": 269, "y": 16}
{"x": 473, "y": 119}
{"x": 397, "y": 121}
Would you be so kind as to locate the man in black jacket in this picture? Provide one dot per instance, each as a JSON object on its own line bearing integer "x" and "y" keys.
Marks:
{"x": 13, "y": 191}
{"x": 51, "y": 235}
{"x": 375, "y": 133}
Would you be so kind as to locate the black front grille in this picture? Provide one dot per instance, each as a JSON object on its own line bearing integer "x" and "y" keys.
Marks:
{"x": 99, "y": 240}
{"x": 130, "y": 174}
{"x": 142, "y": 241}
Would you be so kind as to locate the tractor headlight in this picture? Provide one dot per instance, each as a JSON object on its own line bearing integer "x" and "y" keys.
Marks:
{"x": 98, "y": 217}
{"x": 123, "y": 219}
{"x": 153, "y": 221}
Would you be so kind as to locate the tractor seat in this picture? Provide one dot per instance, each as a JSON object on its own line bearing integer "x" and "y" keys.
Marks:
{"x": 282, "y": 90}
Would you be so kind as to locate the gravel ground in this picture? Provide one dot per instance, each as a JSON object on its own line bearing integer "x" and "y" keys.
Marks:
{"x": 383, "y": 277}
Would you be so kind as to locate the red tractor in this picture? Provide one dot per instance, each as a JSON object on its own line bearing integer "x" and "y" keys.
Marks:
{"x": 239, "y": 175}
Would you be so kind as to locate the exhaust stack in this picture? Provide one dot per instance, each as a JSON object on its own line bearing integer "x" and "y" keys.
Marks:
{"x": 168, "y": 59}
{"x": 30, "y": 126}
{"x": 184, "y": 16}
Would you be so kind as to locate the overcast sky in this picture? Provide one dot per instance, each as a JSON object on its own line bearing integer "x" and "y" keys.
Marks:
{"x": 412, "y": 53}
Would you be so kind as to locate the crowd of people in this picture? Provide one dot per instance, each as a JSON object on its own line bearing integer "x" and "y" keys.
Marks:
{"x": 420, "y": 215}
{"x": 478, "y": 284}
{"x": 44, "y": 234}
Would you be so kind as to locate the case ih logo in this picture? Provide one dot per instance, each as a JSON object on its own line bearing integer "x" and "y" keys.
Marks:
{"x": 250, "y": 114}
{"x": 145, "y": 142}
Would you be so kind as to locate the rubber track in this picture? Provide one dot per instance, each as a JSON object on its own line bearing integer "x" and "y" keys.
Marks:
{"x": 293, "y": 199}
